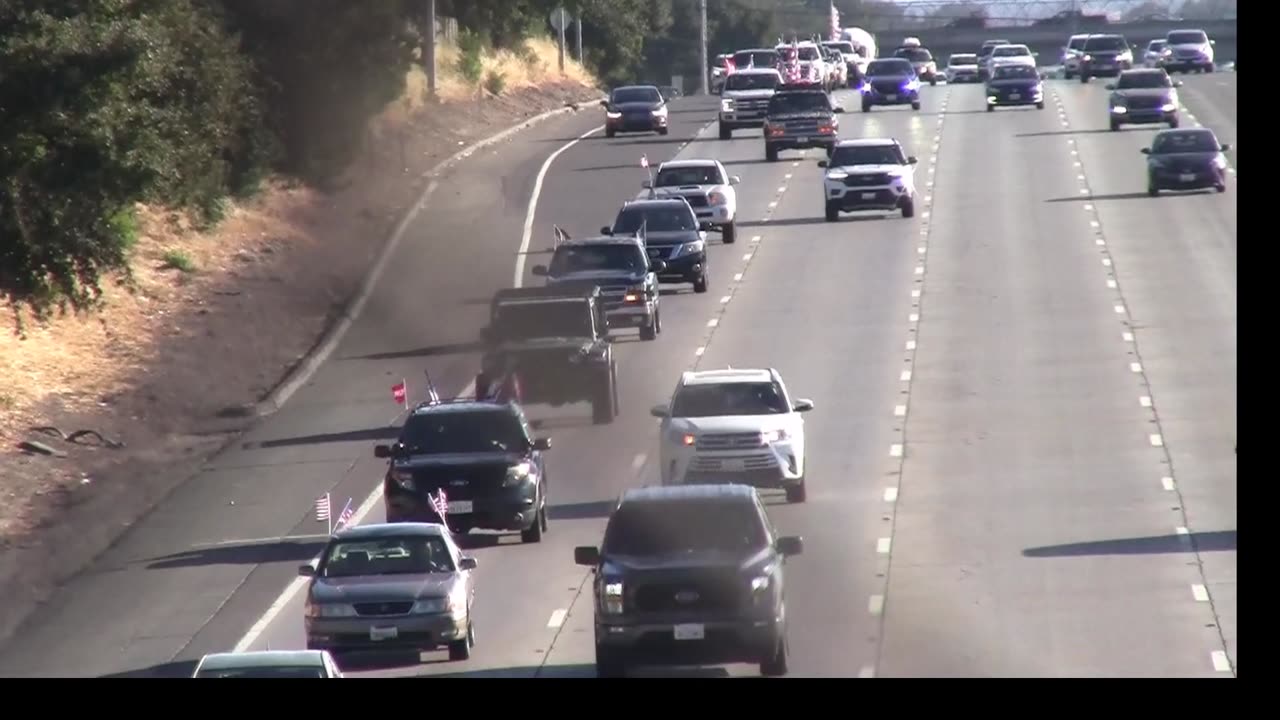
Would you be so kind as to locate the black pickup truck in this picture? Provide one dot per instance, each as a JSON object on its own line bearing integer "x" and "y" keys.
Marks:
{"x": 800, "y": 116}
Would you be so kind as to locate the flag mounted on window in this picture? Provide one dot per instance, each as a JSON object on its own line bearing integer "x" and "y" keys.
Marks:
{"x": 400, "y": 393}
{"x": 344, "y": 518}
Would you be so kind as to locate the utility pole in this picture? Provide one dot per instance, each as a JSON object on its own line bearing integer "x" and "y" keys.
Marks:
{"x": 702, "y": 46}
{"x": 429, "y": 49}
{"x": 562, "y": 29}
{"x": 581, "y": 60}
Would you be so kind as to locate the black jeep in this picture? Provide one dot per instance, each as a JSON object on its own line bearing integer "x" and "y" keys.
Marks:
{"x": 549, "y": 345}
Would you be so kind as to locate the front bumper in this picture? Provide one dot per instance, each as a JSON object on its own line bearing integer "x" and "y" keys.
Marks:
{"x": 1196, "y": 179}
{"x": 1095, "y": 68}
{"x": 686, "y": 268}
{"x": 801, "y": 142}
{"x": 631, "y": 316}
{"x": 515, "y": 509}
{"x": 724, "y": 640}
{"x": 407, "y": 632}
{"x": 1143, "y": 116}
{"x": 774, "y": 466}
{"x": 905, "y": 97}
{"x": 959, "y": 76}
{"x": 1007, "y": 99}
{"x": 743, "y": 118}
{"x": 710, "y": 216}
{"x": 636, "y": 123}
{"x": 881, "y": 197}
{"x": 1175, "y": 64}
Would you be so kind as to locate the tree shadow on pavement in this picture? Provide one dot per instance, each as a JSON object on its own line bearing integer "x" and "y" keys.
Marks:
{"x": 175, "y": 669}
{"x": 1219, "y": 541}
{"x": 241, "y": 554}
{"x": 389, "y": 432}
{"x": 430, "y": 351}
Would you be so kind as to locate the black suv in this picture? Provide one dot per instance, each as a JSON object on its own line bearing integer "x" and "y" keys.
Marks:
{"x": 549, "y": 345}
{"x": 690, "y": 574}
{"x": 800, "y": 116}
{"x": 480, "y": 457}
{"x": 1105, "y": 55}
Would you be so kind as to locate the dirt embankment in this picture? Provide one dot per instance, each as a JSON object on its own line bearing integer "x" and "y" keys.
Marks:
{"x": 216, "y": 319}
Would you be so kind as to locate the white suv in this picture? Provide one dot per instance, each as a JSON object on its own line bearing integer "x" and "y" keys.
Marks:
{"x": 869, "y": 174}
{"x": 734, "y": 425}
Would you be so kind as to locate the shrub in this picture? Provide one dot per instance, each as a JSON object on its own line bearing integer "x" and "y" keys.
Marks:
{"x": 470, "y": 50}
{"x": 495, "y": 82}
{"x": 178, "y": 260}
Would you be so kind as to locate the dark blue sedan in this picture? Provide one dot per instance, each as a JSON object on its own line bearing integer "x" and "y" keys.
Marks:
{"x": 1186, "y": 159}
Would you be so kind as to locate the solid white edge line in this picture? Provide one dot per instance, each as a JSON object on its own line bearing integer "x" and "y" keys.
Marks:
{"x": 533, "y": 204}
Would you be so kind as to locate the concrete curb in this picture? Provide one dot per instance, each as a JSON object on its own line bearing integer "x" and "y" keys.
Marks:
{"x": 328, "y": 341}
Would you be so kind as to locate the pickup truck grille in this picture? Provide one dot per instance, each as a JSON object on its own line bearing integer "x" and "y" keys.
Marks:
{"x": 697, "y": 201}
{"x": 867, "y": 180}
{"x": 1145, "y": 103}
{"x": 802, "y": 127}
{"x": 383, "y": 609}
{"x": 729, "y": 441}
{"x": 712, "y": 594}
{"x": 751, "y": 106}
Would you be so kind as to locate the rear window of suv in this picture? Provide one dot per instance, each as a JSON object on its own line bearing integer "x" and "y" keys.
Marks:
{"x": 1187, "y": 37}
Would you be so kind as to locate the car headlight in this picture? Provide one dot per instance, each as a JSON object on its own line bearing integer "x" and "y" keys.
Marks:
{"x": 685, "y": 439}
{"x": 613, "y": 114}
{"x": 613, "y": 598}
{"x": 330, "y": 610}
{"x": 717, "y": 198}
{"x": 760, "y": 583}
{"x": 1087, "y": 58}
{"x": 403, "y": 478}
{"x": 660, "y": 112}
{"x": 1220, "y": 162}
{"x": 1168, "y": 107}
{"x": 431, "y": 606}
{"x": 454, "y": 604}
{"x": 726, "y": 105}
{"x": 837, "y": 175}
{"x": 518, "y": 474}
{"x": 773, "y": 436}
{"x": 690, "y": 248}
{"x": 1119, "y": 109}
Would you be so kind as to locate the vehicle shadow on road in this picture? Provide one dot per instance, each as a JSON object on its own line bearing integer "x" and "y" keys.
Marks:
{"x": 581, "y": 511}
{"x": 241, "y": 554}
{"x": 380, "y": 433}
{"x": 175, "y": 669}
{"x": 430, "y": 351}
{"x": 628, "y": 166}
{"x": 1116, "y": 196}
{"x": 871, "y": 215}
{"x": 583, "y": 670}
{"x": 1057, "y": 133}
{"x": 1218, "y": 541}
{"x": 662, "y": 140}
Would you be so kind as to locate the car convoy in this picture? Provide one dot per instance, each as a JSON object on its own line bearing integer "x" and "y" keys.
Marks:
{"x": 690, "y": 570}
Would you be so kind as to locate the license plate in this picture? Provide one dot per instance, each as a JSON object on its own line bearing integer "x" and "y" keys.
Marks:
{"x": 690, "y": 631}
{"x": 386, "y": 633}
{"x": 459, "y": 506}
{"x": 890, "y": 97}
{"x": 869, "y": 196}
{"x": 1187, "y": 177}
{"x": 732, "y": 465}
{"x": 1015, "y": 96}
{"x": 802, "y": 139}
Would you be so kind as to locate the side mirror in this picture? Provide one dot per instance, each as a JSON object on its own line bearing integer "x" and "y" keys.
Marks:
{"x": 658, "y": 265}
{"x": 604, "y": 102}
{"x": 1145, "y": 151}
{"x": 1111, "y": 86}
{"x": 606, "y": 230}
{"x": 647, "y": 184}
{"x": 803, "y": 405}
{"x": 838, "y": 110}
{"x": 1213, "y": 42}
{"x": 790, "y": 545}
{"x": 1226, "y": 147}
{"x": 540, "y": 270}
{"x": 588, "y": 555}
{"x": 307, "y": 570}
{"x": 467, "y": 563}
{"x": 734, "y": 180}
{"x": 382, "y": 451}
{"x": 1177, "y": 83}
{"x": 542, "y": 443}
{"x": 912, "y": 159}
{"x": 822, "y": 163}
{"x": 658, "y": 411}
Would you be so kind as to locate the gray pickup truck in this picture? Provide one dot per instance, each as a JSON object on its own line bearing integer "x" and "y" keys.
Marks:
{"x": 800, "y": 116}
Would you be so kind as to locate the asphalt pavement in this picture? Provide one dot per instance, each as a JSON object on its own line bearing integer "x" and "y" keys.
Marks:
{"x": 1021, "y": 452}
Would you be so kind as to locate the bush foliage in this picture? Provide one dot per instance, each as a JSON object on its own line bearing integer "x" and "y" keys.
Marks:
{"x": 184, "y": 103}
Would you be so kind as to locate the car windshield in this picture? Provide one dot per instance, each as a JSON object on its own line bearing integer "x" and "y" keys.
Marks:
{"x": 752, "y": 81}
{"x": 753, "y": 398}
{"x": 437, "y": 433}
{"x": 667, "y": 217}
{"x": 799, "y": 102}
{"x": 636, "y": 95}
{"x": 1187, "y": 37}
{"x": 808, "y": 52}
{"x": 1143, "y": 80}
{"x": 675, "y": 528}
{"x": 1157, "y": 45}
{"x": 410, "y": 555}
{"x": 896, "y": 66}
{"x": 1011, "y": 51}
{"x": 266, "y": 671}
{"x": 1105, "y": 43}
{"x": 1194, "y": 141}
{"x": 1077, "y": 43}
{"x": 966, "y": 59}
{"x": 758, "y": 58}
{"x": 850, "y": 155}
{"x": 1015, "y": 72}
{"x": 692, "y": 175}
{"x": 523, "y": 321}
{"x": 616, "y": 257}
{"x": 914, "y": 54}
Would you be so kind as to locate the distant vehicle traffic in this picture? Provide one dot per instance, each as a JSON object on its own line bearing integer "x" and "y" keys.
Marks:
{"x": 1105, "y": 55}
{"x": 1186, "y": 159}
{"x": 1189, "y": 50}
{"x": 635, "y": 108}
{"x": 890, "y": 81}
{"x": 1071, "y": 55}
{"x": 962, "y": 68}
{"x": 922, "y": 62}
{"x": 1156, "y": 52}
{"x": 745, "y": 99}
{"x": 800, "y": 117}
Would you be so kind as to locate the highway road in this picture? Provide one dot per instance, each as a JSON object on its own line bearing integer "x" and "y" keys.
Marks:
{"x": 1022, "y": 451}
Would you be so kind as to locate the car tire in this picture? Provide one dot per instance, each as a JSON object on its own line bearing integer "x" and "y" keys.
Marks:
{"x": 909, "y": 207}
{"x": 1220, "y": 187}
{"x": 866, "y": 106}
{"x": 915, "y": 105}
{"x": 610, "y": 132}
{"x": 534, "y": 533}
{"x": 1152, "y": 190}
{"x": 726, "y": 132}
{"x": 663, "y": 131}
{"x": 1040, "y": 105}
{"x": 776, "y": 666}
{"x": 700, "y": 284}
{"x": 604, "y": 406}
{"x": 797, "y": 493}
{"x": 461, "y": 649}
{"x": 1115, "y": 125}
{"x": 1084, "y": 78}
{"x": 729, "y": 232}
{"x": 991, "y": 108}
{"x": 482, "y": 385}
{"x": 1067, "y": 74}
{"x": 1173, "y": 123}
{"x": 650, "y": 331}
{"x": 933, "y": 82}
{"x": 770, "y": 153}
{"x": 1208, "y": 68}
{"x": 609, "y": 664}
{"x": 833, "y": 212}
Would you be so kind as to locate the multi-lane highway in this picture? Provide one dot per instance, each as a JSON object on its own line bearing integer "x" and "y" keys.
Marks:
{"x": 1021, "y": 456}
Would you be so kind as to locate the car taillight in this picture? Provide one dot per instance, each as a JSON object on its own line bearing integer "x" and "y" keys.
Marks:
{"x": 633, "y": 295}
{"x": 827, "y": 128}
{"x": 775, "y": 131}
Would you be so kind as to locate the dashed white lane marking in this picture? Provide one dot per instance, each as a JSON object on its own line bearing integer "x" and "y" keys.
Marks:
{"x": 725, "y": 299}
{"x": 1088, "y": 207}
{"x": 899, "y": 411}
{"x": 883, "y": 545}
{"x": 787, "y": 176}
{"x": 1126, "y": 336}
{"x": 1167, "y": 483}
{"x": 638, "y": 462}
{"x": 1180, "y": 530}
{"x": 782, "y": 188}
{"x": 1111, "y": 284}
{"x": 557, "y": 618}
{"x": 875, "y": 604}
{"x": 701, "y": 349}
{"x": 713, "y": 322}
{"x": 1157, "y": 440}
{"x": 919, "y": 269}
{"x": 795, "y": 164}
{"x": 1135, "y": 367}
{"x": 895, "y": 450}
{"x": 915, "y": 293}
{"x": 755, "y": 238}
{"x": 913, "y": 317}
{"x": 746, "y": 256}
{"x": 1144, "y": 401}
{"x": 905, "y": 376}
{"x": 1080, "y": 177}
{"x": 891, "y": 494}
{"x": 773, "y": 204}
{"x": 1119, "y": 309}
{"x": 1220, "y": 662}
{"x": 867, "y": 673}
{"x": 737, "y": 277}
{"x": 911, "y": 344}
{"x": 1093, "y": 223}
{"x": 1099, "y": 242}
{"x": 1084, "y": 191}
{"x": 1106, "y": 261}
{"x": 1200, "y": 593}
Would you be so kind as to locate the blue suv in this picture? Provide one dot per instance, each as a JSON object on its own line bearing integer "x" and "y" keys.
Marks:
{"x": 890, "y": 81}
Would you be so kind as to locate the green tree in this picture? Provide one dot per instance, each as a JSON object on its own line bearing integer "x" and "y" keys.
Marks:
{"x": 616, "y": 29}
{"x": 103, "y": 104}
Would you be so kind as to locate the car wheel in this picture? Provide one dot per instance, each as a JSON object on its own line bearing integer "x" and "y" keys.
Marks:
{"x": 833, "y": 212}
{"x": 1208, "y": 68}
{"x": 1173, "y": 122}
{"x": 908, "y": 207}
{"x": 604, "y": 406}
{"x": 700, "y": 284}
{"x": 1115, "y": 125}
{"x": 1220, "y": 187}
{"x": 915, "y": 105}
{"x": 1084, "y": 78}
{"x": 610, "y": 132}
{"x": 797, "y": 493}
{"x": 991, "y": 108}
{"x": 461, "y": 649}
{"x": 1040, "y": 105}
{"x": 726, "y": 132}
{"x": 1152, "y": 190}
{"x": 482, "y": 385}
{"x": 663, "y": 131}
{"x": 609, "y": 664}
{"x": 866, "y": 106}
{"x": 1067, "y": 74}
{"x": 770, "y": 153}
{"x": 776, "y": 666}
{"x": 729, "y": 232}
{"x": 534, "y": 533}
